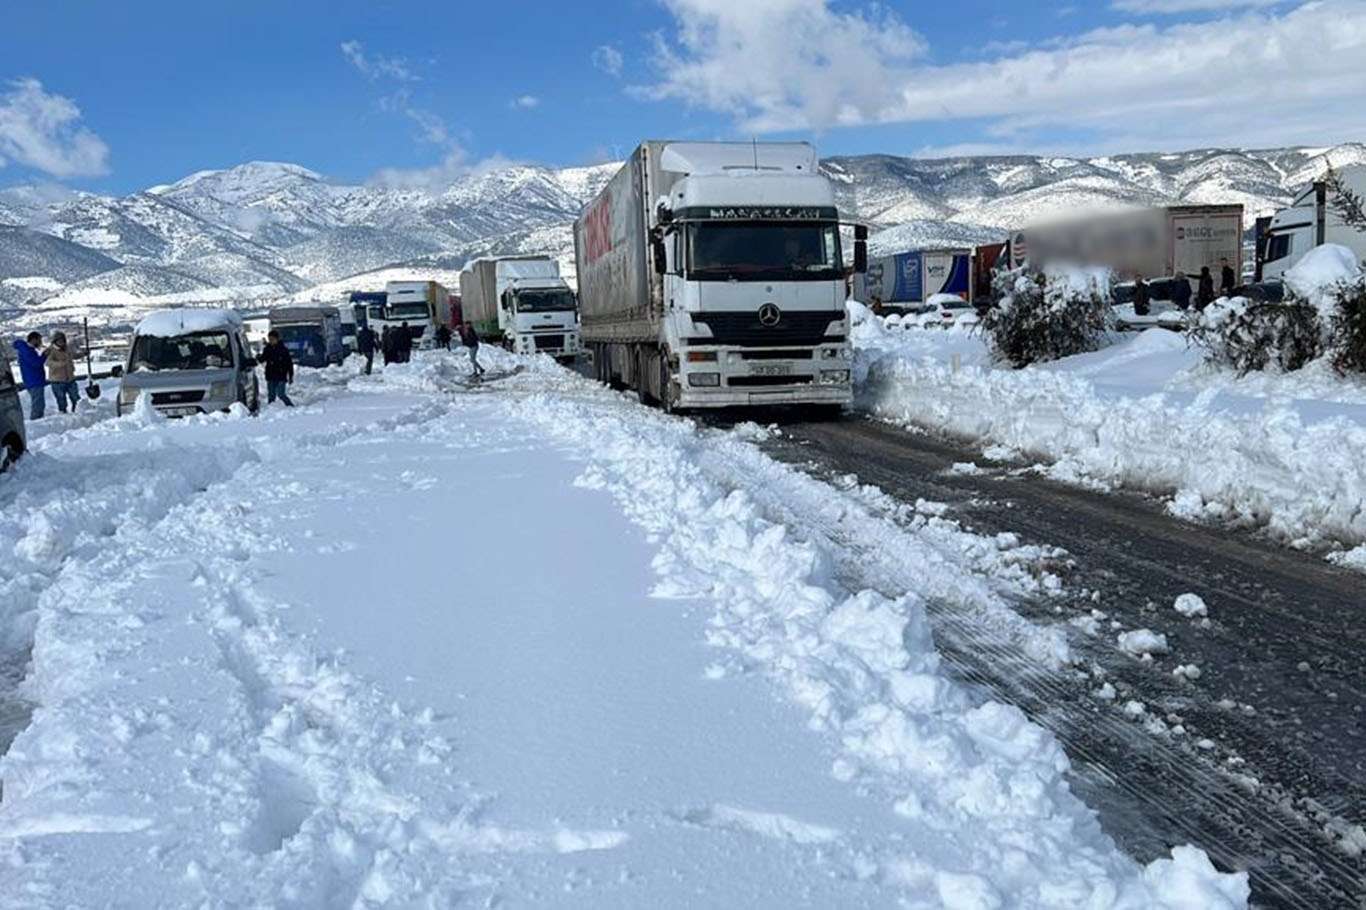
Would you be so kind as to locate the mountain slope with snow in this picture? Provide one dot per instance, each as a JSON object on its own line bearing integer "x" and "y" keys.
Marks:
{"x": 269, "y": 229}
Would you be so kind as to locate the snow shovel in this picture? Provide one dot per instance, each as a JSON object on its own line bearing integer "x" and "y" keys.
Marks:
{"x": 92, "y": 388}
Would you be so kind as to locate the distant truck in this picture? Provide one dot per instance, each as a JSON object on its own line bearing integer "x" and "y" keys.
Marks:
{"x": 1154, "y": 242}
{"x": 313, "y": 334}
{"x": 908, "y": 281}
{"x": 523, "y": 301}
{"x": 711, "y": 275}
{"x": 424, "y": 305}
{"x": 1310, "y": 221}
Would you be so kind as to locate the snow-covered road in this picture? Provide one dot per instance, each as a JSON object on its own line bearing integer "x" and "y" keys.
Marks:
{"x": 528, "y": 644}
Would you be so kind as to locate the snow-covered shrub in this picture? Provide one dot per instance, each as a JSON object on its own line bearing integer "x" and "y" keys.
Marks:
{"x": 1041, "y": 317}
{"x": 1247, "y": 336}
{"x": 1347, "y": 329}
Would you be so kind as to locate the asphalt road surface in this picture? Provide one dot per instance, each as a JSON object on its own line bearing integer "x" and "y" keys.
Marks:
{"x": 1260, "y": 760}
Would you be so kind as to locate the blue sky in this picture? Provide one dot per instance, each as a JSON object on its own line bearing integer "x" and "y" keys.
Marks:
{"x": 117, "y": 97}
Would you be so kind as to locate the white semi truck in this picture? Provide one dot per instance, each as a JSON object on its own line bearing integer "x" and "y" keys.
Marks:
{"x": 711, "y": 275}
{"x": 524, "y": 301}
{"x": 424, "y": 305}
{"x": 1310, "y": 221}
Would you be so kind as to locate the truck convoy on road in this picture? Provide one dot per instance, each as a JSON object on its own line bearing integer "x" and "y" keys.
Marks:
{"x": 524, "y": 301}
{"x": 711, "y": 275}
{"x": 1310, "y": 221}
{"x": 313, "y": 334}
{"x": 1154, "y": 242}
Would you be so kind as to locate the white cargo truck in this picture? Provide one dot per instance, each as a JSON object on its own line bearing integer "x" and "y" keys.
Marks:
{"x": 1154, "y": 242}
{"x": 422, "y": 304}
{"x": 711, "y": 275}
{"x": 523, "y": 301}
{"x": 1310, "y": 221}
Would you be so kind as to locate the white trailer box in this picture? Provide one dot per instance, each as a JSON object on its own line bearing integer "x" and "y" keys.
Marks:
{"x": 1311, "y": 221}
{"x": 710, "y": 275}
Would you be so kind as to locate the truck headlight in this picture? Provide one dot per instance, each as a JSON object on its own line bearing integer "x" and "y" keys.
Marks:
{"x": 219, "y": 390}
{"x": 834, "y": 376}
{"x": 711, "y": 380}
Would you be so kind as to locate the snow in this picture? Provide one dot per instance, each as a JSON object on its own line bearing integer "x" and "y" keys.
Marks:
{"x": 171, "y": 323}
{"x": 300, "y": 659}
{"x": 1140, "y": 642}
{"x": 1319, "y": 272}
{"x": 1277, "y": 451}
{"x": 1190, "y": 606}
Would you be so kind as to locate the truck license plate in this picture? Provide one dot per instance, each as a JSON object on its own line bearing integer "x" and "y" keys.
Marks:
{"x": 773, "y": 369}
{"x": 181, "y": 412}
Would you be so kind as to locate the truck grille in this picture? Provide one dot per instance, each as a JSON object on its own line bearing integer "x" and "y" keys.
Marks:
{"x": 776, "y": 355}
{"x": 745, "y": 329}
{"x": 549, "y": 342}
{"x": 189, "y": 396}
{"x": 768, "y": 380}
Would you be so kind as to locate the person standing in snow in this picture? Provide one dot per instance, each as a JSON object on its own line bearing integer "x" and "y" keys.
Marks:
{"x": 470, "y": 339}
{"x": 1227, "y": 280}
{"x": 386, "y": 344}
{"x": 61, "y": 373}
{"x": 443, "y": 337}
{"x": 1205, "y": 295}
{"x": 1181, "y": 292}
{"x": 365, "y": 343}
{"x": 31, "y": 371}
{"x": 279, "y": 369}
{"x": 1140, "y": 296}
{"x": 403, "y": 344}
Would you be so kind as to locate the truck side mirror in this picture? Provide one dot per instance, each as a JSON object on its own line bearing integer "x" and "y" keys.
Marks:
{"x": 660, "y": 255}
{"x": 860, "y": 248}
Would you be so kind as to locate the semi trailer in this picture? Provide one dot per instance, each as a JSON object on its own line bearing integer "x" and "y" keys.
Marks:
{"x": 1310, "y": 221}
{"x": 522, "y": 301}
{"x": 907, "y": 281}
{"x": 711, "y": 275}
{"x": 1153, "y": 242}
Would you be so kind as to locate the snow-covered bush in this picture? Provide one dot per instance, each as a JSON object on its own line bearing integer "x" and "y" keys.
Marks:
{"x": 1347, "y": 329}
{"x": 1041, "y": 317}
{"x": 1247, "y": 336}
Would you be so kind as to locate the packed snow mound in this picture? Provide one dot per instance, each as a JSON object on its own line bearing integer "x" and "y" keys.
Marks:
{"x": 171, "y": 323}
{"x": 1320, "y": 272}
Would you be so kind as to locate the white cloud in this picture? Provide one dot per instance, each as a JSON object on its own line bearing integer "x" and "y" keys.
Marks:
{"x": 42, "y": 131}
{"x": 376, "y": 66}
{"x": 1255, "y": 78}
{"x": 1172, "y": 7}
{"x": 439, "y": 177}
{"x": 525, "y": 102}
{"x": 608, "y": 59}
{"x": 783, "y": 63}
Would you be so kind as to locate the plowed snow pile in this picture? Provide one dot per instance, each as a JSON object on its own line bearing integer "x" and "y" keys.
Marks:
{"x": 421, "y": 642}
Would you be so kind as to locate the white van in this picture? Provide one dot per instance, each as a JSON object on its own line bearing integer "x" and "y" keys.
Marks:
{"x": 190, "y": 361}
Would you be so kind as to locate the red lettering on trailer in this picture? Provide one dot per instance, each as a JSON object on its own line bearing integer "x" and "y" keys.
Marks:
{"x": 597, "y": 230}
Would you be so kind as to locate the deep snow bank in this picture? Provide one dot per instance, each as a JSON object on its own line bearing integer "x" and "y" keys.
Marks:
{"x": 1283, "y": 452}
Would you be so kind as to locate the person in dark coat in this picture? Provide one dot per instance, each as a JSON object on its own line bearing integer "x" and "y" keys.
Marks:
{"x": 32, "y": 369}
{"x": 403, "y": 343}
{"x": 279, "y": 369}
{"x": 386, "y": 344}
{"x": 365, "y": 343}
{"x": 1205, "y": 295}
{"x": 1227, "y": 280}
{"x": 470, "y": 339}
{"x": 443, "y": 337}
{"x": 1140, "y": 296}
{"x": 1181, "y": 291}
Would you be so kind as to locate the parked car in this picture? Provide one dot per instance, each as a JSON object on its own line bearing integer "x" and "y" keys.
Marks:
{"x": 190, "y": 361}
{"x": 13, "y": 438}
{"x": 1159, "y": 289}
{"x": 1261, "y": 291}
{"x": 947, "y": 310}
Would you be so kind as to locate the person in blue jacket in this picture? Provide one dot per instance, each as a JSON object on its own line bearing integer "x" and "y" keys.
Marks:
{"x": 31, "y": 369}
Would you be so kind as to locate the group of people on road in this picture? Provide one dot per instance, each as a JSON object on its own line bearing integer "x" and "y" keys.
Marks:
{"x": 41, "y": 369}
{"x": 396, "y": 345}
{"x": 1181, "y": 289}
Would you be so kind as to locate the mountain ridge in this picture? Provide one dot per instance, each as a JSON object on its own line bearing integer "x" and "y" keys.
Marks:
{"x": 266, "y": 230}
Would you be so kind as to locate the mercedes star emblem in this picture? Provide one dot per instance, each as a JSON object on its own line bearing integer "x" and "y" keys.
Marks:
{"x": 770, "y": 315}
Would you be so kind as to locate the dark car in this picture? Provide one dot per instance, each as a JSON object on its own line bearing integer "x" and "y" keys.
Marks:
{"x": 1261, "y": 291}
{"x": 1158, "y": 289}
{"x": 13, "y": 439}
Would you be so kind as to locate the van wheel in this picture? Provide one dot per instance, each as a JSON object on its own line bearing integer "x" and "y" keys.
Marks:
{"x": 10, "y": 452}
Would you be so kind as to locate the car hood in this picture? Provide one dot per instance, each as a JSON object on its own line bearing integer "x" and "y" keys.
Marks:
{"x": 177, "y": 379}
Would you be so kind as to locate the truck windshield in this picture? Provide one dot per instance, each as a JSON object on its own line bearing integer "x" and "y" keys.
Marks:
{"x": 529, "y": 301}
{"x": 408, "y": 311}
{"x": 194, "y": 351}
{"x": 760, "y": 250}
{"x": 1277, "y": 247}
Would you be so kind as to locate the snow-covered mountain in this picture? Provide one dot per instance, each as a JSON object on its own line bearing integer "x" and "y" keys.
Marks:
{"x": 263, "y": 230}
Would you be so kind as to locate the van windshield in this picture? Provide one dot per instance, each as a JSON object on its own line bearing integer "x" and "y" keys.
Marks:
{"x": 193, "y": 351}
